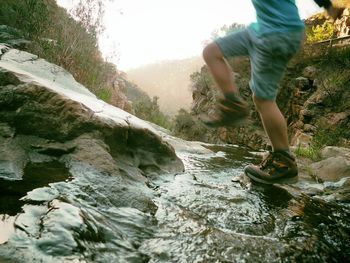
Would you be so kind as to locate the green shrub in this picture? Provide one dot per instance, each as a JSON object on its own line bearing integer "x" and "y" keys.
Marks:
{"x": 331, "y": 135}
{"x": 61, "y": 39}
{"x": 188, "y": 128}
{"x": 105, "y": 95}
{"x": 30, "y": 16}
{"x": 339, "y": 58}
{"x": 148, "y": 110}
{"x": 183, "y": 120}
{"x": 311, "y": 152}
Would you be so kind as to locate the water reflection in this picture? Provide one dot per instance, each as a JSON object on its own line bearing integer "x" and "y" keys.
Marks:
{"x": 35, "y": 176}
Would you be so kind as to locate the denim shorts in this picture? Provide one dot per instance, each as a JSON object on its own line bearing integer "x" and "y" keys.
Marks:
{"x": 269, "y": 55}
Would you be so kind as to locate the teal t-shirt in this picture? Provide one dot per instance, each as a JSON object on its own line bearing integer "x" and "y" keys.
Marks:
{"x": 276, "y": 16}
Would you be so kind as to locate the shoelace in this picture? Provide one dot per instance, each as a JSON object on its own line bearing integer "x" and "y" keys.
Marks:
{"x": 267, "y": 160}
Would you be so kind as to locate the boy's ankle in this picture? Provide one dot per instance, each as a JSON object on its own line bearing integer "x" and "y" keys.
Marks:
{"x": 285, "y": 152}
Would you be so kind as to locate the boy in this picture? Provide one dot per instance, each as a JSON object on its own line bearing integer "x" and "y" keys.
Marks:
{"x": 270, "y": 44}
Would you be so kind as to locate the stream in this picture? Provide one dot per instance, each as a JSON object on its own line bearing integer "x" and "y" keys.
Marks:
{"x": 206, "y": 214}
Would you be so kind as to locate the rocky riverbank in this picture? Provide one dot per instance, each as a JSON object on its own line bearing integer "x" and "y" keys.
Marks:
{"x": 84, "y": 181}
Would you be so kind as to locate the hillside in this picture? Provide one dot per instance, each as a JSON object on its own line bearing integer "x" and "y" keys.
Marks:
{"x": 169, "y": 80}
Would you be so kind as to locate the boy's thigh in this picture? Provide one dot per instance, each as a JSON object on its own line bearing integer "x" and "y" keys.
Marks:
{"x": 235, "y": 44}
{"x": 267, "y": 73}
{"x": 269, "y": 61}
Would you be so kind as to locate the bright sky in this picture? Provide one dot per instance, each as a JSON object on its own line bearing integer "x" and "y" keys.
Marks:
{"x": 147, "y": 31}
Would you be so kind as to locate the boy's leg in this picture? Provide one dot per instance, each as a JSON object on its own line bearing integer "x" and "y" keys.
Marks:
{"x": 219, "y": 68}
{"x": 274, "y": 123}
{"x": 231, "y": 109}
{"x": 215, "y": 54}
{"x": 279, "y": 166}
{"x": 269, "y": 61}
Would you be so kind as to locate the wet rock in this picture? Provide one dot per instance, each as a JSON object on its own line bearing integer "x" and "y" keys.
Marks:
{"x": 52, "y": 105}
{"x": 51, "y": 126}
{"x": 331, "y": 169}
{"x": 54, "y": 148}
{"x": 93, "y": 151}
{"x": 68, "y": 161}
{"x": 58, "y": 239}
{"x": 182, "y": 145}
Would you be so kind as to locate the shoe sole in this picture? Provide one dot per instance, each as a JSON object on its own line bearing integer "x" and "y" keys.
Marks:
{"x": 291, "y": 180}
{"x": 233, "y": 124}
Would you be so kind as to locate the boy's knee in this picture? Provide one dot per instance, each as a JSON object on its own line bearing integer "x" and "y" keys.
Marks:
{"x": 256, "y": 101}
{"x": 260, "y": 102}
{"x": 211, "y": 52}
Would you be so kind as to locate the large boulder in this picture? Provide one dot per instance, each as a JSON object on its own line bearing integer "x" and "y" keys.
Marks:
{"x": 46, "y": 115}
{"x": 331, "y": 169}
{"x": 335, "y": 165}
{"x": 333, "y": 151}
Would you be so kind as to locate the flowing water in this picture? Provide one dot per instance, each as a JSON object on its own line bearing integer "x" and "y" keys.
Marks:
{"x": 202, "y": 215}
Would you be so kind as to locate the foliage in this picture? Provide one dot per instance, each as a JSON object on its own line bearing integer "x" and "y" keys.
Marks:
{"x": 183, "y": 120}
{"x": 60, "y": 39}
{"x": 330, "y": 135}
{"x": 30, "y": 16}
{"x": 105, "y": 94}
{"x": 148, "y": 110}
{"x": 310, "y": 152}
{"x": 186, "y": 127}
{"x": 89, "y": 14}
{"x": 202, "y": 81}
{"x": 320, "y": 32}
{"x": 133, "y": 92}
{"x": 338, "y": 57}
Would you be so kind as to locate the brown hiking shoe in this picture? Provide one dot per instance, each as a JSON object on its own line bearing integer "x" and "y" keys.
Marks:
{"x": 230, "y": 111}
{"x": 277, "y": 168}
